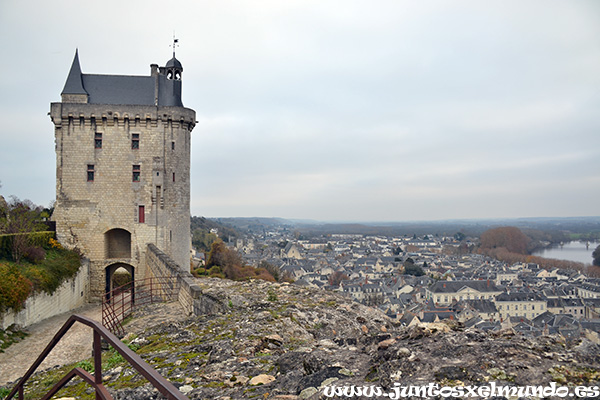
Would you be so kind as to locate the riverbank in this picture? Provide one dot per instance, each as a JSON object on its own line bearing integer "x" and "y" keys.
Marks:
{"x": 576, "y": 251}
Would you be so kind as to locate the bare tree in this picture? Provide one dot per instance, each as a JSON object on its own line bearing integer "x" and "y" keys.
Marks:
{"x": 18, "y": 219}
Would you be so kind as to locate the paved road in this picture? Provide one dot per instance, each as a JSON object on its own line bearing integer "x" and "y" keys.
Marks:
{"x": 75, "y": 345}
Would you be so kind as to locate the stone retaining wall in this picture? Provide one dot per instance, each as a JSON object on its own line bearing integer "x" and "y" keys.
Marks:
{"x": 70, "y": 295}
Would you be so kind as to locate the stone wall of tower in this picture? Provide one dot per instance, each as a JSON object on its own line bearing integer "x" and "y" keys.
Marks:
{"x": 87, "y": 209}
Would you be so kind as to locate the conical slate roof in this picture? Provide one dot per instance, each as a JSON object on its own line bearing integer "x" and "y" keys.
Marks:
{"x": 74, "y": 84}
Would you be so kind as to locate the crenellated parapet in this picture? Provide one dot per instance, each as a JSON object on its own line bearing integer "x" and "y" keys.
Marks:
{"x": 92, "y": 115}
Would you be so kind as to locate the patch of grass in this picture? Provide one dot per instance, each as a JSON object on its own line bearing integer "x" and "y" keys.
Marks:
{"x": 10, "y": 336}
{"x": 4, "y": 392}
{"x": 112, "y": 359}
{"x": 271, "y": 295}
{"x": 86, "y": 365}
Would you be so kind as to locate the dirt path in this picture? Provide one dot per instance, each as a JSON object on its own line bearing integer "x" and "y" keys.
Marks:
{"x": 76, "y": 345}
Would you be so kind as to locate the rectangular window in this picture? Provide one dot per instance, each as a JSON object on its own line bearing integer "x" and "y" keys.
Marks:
{"x": 172, "y": 145}
{"x": 97, "y": 140}
{"x": 136, "y": 173}
{"x": 173, "y": 176}
{"x": 141, "y": 214}
{"x": 135, "y": 140}
{"x": 90, "y": 173}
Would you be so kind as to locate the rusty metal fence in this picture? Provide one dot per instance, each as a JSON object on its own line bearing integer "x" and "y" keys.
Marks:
{"x": 95, "y": 381}
{"x": 119, "y": 303}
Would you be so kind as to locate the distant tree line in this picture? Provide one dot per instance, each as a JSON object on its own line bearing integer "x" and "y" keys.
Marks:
{"x": 224, "y": 262}
{"x": 203, "y": 238}
{"x": 596, "y": 257}
{"x": 511, "y": 245}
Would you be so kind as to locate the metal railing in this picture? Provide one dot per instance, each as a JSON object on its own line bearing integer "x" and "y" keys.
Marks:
{"x": 95, "y": 381}
{"x": 119, "y": 303}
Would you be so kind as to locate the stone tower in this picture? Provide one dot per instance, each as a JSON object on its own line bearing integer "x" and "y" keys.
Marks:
{"x": 123, "y": 169}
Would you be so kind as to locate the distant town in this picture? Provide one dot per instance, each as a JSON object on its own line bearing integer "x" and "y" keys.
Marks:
{"x": 427, "y": 278}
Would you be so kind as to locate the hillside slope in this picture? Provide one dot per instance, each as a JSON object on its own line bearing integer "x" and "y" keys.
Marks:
{"x": 267, "y": 340}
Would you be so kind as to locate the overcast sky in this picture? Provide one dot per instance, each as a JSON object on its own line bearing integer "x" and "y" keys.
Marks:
{"x": 335, "y": 110}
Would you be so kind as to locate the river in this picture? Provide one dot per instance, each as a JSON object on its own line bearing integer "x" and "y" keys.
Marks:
{"x": 572, "y": 251}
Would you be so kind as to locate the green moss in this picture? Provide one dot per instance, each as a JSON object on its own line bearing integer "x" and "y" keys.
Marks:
{"x": 157, "y": 344}
{"x": 127, "y": 382}
{"x": 39, "y": 385}
{"x": 271, "y": 295}
{"x": 372, "y": 376}
{"x": 574, "y": 375}
{"x": 216, "y": 385}
{"x": 10, "y": 336}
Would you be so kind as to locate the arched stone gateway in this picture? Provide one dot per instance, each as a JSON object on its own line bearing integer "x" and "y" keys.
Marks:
{"x": 110, "y": 274}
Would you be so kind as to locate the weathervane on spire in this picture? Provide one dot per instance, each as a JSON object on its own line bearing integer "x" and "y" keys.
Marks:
{"x": 175, "y": 44}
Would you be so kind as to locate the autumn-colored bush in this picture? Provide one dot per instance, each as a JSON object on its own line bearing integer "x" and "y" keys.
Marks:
{"x": 245, "y": 272}
{"x": 227, "y": 263}
{"x": 14, "y": 288}
{"x": 19, "y": 280}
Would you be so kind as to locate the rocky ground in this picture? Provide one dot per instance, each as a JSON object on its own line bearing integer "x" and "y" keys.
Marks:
{"x": 287, "y": 342}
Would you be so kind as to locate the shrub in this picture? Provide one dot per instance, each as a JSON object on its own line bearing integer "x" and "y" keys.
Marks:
{"x": 38, "y": 276}
{"x": 14, "y": 288}
{"x": 120, "y": 279}
{"x": 214, "y": 270}
{"x": 54, "y": 244}
{"x": 42, "y": 239}
{"x": 15, "y": 245}
{"x": 35, "y": 254}
{"x": 50, "y": 273}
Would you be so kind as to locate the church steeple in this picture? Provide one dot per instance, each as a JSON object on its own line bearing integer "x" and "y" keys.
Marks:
{"x": 74, "y": 92}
